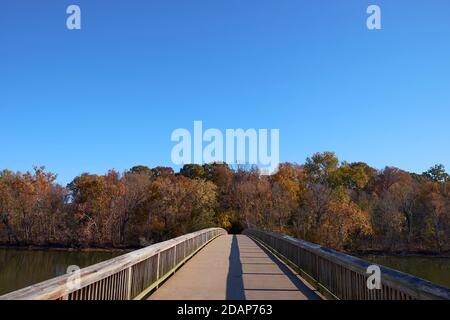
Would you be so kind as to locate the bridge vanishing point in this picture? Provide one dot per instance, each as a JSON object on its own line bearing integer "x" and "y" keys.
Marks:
{"x": 212, "y": 265}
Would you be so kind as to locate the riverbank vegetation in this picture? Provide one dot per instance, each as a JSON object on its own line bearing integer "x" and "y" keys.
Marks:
{"x": 346, "y": 206}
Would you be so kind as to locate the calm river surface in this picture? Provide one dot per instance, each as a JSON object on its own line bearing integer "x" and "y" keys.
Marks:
{"x": 434, "y": 269}
{"x": 22, "y": 267}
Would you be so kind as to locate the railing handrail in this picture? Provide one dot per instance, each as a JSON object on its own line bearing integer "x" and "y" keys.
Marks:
{"x": 57, "y": 287}
{"x": 411, "y": 285}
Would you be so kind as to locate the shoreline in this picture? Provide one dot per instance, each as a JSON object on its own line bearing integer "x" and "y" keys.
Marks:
{"x": 63, "y": 248}
{"x": 404, "y": 254}
{"x": 361, "y": 253}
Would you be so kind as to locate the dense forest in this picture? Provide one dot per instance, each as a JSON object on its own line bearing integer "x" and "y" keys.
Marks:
{"x": 346, "y": 206}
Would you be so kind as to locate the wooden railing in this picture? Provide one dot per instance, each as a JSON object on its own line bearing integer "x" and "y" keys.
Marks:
{"x": 130, "y": 276}
{"x": 342, "y": 276}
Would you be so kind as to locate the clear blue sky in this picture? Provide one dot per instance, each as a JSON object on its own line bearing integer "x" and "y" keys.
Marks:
{"x": 109, "y": 95}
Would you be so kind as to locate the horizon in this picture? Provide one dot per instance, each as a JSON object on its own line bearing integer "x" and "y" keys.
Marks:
{"x": 234, "y": 167}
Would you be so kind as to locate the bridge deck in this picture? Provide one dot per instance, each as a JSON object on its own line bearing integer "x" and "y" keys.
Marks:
{"x": 234, "y": 267}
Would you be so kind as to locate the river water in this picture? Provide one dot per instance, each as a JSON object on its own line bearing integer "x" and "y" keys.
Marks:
{"x": 434, "y": 269}
{"x": 21, "y": 267}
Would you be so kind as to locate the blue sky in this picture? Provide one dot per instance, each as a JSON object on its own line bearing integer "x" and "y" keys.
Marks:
{"x": 110, "y": 95}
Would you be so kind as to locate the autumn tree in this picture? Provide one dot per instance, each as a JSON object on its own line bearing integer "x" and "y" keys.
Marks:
{"x": 131, "y": 203}
{"x": 346, "y": 206}
{"x": 288, "y": 186}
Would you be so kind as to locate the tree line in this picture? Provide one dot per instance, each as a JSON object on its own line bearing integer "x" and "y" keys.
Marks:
{"x": 345, "y": 206}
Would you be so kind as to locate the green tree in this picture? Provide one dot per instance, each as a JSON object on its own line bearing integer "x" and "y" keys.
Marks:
{"x": 141, "y": 170}
{"x": 161, "y": 172}
{"x": 321, "y": 168}
{"x": 437, "y": 173}
{"x": 193, "y": 171}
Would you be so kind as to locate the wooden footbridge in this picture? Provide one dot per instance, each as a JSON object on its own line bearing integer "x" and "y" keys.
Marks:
{"x": 210, "y": 264}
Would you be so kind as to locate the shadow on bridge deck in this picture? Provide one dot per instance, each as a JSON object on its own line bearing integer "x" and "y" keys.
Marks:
{"x": 234, "y": 267}
{"x": 235, "y": 285}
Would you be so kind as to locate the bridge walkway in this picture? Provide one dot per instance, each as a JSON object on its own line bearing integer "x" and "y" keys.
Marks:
{"x": 234, "y": 267}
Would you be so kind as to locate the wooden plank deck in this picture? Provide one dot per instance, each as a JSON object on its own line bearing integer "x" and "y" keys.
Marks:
{"x": 234, "y": 267}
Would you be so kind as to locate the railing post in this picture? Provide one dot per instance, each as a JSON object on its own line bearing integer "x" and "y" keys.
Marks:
{"x": 130, "y": 274}
{"x": 157, "y": 269}
{"x": 174, "y": 257}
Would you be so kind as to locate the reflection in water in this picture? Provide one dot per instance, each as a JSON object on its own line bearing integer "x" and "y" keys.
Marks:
{"x": 21, "y": 267}
{"x": 434, "y": 269}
